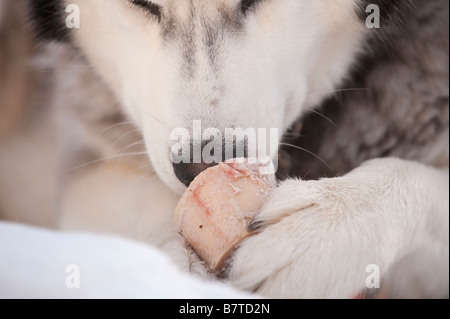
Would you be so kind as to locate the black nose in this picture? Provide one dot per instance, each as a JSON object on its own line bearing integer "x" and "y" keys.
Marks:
{"x": 187, "y": 172}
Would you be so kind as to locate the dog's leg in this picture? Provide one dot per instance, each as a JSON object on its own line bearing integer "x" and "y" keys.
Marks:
{"x": 318, "y": 238}
{"x": 114, "y": 198}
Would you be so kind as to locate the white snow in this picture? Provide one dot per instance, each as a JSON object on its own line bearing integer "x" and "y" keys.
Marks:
{"x": 33, "y": 264}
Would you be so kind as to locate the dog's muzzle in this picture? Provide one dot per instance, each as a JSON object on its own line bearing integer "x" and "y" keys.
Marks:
{"x": 186, "y": 172}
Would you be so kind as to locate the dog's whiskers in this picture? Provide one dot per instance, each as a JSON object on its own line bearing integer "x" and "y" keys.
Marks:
{"x": 104, "y": 131}
{"x": 131, "y": 145}
{"x": 106, "y": 159}
{"x": 336, "y": 91}
{"x": 292, "y": 135}
{"x": 321, "y": 115}
{"x": 309, "y": 152}
{"x": 113, "y": 126}
{"x": 52, "y": 68}
{"x": 125, "y": 135}
{"x": 148, "y": 167}
{"x": 153, "y": 117}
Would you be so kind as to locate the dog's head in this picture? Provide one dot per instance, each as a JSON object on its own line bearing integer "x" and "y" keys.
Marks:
{"x": 249, "y": 64}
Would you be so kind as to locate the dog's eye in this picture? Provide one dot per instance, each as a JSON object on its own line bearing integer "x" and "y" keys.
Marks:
{"x": 148, "y": 6}
{"x": 246, "y": 5}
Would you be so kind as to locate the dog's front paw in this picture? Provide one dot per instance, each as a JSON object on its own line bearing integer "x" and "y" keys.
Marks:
{"x": 310, "y": 242}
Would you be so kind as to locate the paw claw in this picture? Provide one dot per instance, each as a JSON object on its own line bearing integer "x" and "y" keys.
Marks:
{"x": 255, "y": 226}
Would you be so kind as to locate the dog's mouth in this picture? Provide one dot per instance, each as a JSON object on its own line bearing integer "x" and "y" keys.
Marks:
{"x": 299, "y": 155}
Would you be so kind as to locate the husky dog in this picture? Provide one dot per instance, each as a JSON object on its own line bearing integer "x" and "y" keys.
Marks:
{"x": 381, "y": 205}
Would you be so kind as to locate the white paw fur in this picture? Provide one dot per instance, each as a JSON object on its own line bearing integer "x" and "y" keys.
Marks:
{"x": 318, "y": 237}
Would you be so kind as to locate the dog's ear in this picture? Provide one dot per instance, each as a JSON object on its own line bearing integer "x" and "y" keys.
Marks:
{"x": 48, "y": 19}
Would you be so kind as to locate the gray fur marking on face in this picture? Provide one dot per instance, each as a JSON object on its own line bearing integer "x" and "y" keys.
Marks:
{"x": 201, "y": 34}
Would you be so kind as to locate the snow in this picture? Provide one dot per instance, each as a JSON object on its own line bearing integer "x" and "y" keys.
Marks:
{"x": 38, "y": 263}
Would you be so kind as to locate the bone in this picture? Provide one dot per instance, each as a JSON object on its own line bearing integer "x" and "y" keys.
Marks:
{"x": 215, "y": 211}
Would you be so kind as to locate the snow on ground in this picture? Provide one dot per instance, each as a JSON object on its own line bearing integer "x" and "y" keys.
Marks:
{"x": 37, "y": 263}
